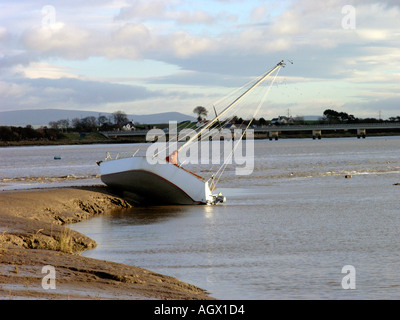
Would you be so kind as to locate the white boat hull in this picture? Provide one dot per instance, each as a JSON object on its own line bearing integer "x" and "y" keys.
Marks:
{"x": 161, "y": 183}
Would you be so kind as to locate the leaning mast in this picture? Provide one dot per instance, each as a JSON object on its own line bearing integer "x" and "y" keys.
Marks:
{"x": 280, "y": 64}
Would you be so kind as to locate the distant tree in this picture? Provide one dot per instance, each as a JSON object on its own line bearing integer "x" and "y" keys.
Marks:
{"x": 200, "y": 111}
{"x": 352, "y": 119}
{"x": 53, "y": 124}
{"x": 262, "y": 122}
{"x": 246, "y": 122}
{"x": 105, "y": 123}
{"x": 370, "y": 120}
{"x": 333, "y": 116}
{"x": 49, "y": 134}
{"x": 89, "y": 124}
{"x": 120, "y": 118}
{"x": 394, "y": 119}
{"x": 76, "y": 123}
{"x": 63, "y": 124}
{"x": 28, "y": 133}
{"x": 237, "y": 120}
{"x": 102, "y": 120}
{"x": 7, "y": 134}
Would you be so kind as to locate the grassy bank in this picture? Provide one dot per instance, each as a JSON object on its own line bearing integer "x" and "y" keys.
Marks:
{"x": 67, "y": 139}
{"x": 75, "y": 138}
{"x": 338, "y": 134}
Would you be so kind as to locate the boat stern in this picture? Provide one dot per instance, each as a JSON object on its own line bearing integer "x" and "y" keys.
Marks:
{"x": 213, "y": 199}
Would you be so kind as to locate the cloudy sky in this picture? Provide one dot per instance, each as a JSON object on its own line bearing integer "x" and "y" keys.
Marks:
{"x": 149, "y": 56}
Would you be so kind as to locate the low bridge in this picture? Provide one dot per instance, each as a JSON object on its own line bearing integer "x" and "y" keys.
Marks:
{"x": 316, "y": 129}
{"x": 272, "y": 132}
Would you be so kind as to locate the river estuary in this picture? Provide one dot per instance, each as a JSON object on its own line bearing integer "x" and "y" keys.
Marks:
{"x": 285, "y": 232}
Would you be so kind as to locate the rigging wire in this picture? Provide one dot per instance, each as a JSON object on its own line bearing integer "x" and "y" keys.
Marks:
{"x": 258, "y": 82}
{"x": 212, "y": 133}
{"x": 203, "y": 127}
{"x": 221, "y": 170}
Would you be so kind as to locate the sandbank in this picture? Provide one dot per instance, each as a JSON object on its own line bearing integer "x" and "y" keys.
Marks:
{"x": 34, "y": 233}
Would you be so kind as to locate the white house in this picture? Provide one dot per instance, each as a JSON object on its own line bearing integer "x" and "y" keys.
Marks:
{"x": 282, "y": 120}
{"x": 129, "y": 126}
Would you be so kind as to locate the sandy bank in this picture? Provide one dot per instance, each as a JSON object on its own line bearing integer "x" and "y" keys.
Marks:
{"x": 33, "y": 234}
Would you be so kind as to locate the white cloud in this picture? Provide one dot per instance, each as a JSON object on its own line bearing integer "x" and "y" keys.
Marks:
{"x": 214, "y": 39}
{"x": 3, "y": 33}
{"x": 36, "y": 70}
{"x": 143, "y": 10}
{"x": 63, "y": 40}
{"x": 172, "y": 11}
{"x": 68, "y": 93}
{"x": 196, "y": 17}
{"x": 185, "y": 45}
{"x": 12, "y": 90}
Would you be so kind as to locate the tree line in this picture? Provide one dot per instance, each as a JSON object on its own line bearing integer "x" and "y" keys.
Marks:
{"x": 91, "y": 124}
{"x": 333, "y": 117}
{"x": 28, "y": 133}
{"x": 329, "y": 116}
{"x": 203, "y": 112}
{"x": 118, "y": 119}
{"x": 56, "y": 129}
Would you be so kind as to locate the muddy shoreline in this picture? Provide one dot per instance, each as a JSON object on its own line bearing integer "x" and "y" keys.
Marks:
{"x": 34, "y": 233}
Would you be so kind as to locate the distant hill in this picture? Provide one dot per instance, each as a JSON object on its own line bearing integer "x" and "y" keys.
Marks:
{"x": 312, "y": 118}
{"x": 44, "y": 116}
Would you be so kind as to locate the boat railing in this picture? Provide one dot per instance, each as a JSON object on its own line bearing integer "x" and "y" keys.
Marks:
{"x": 121, "y": 155}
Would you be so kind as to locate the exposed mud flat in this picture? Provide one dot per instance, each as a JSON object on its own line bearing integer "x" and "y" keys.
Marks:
{"x": 33, "y": 234}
